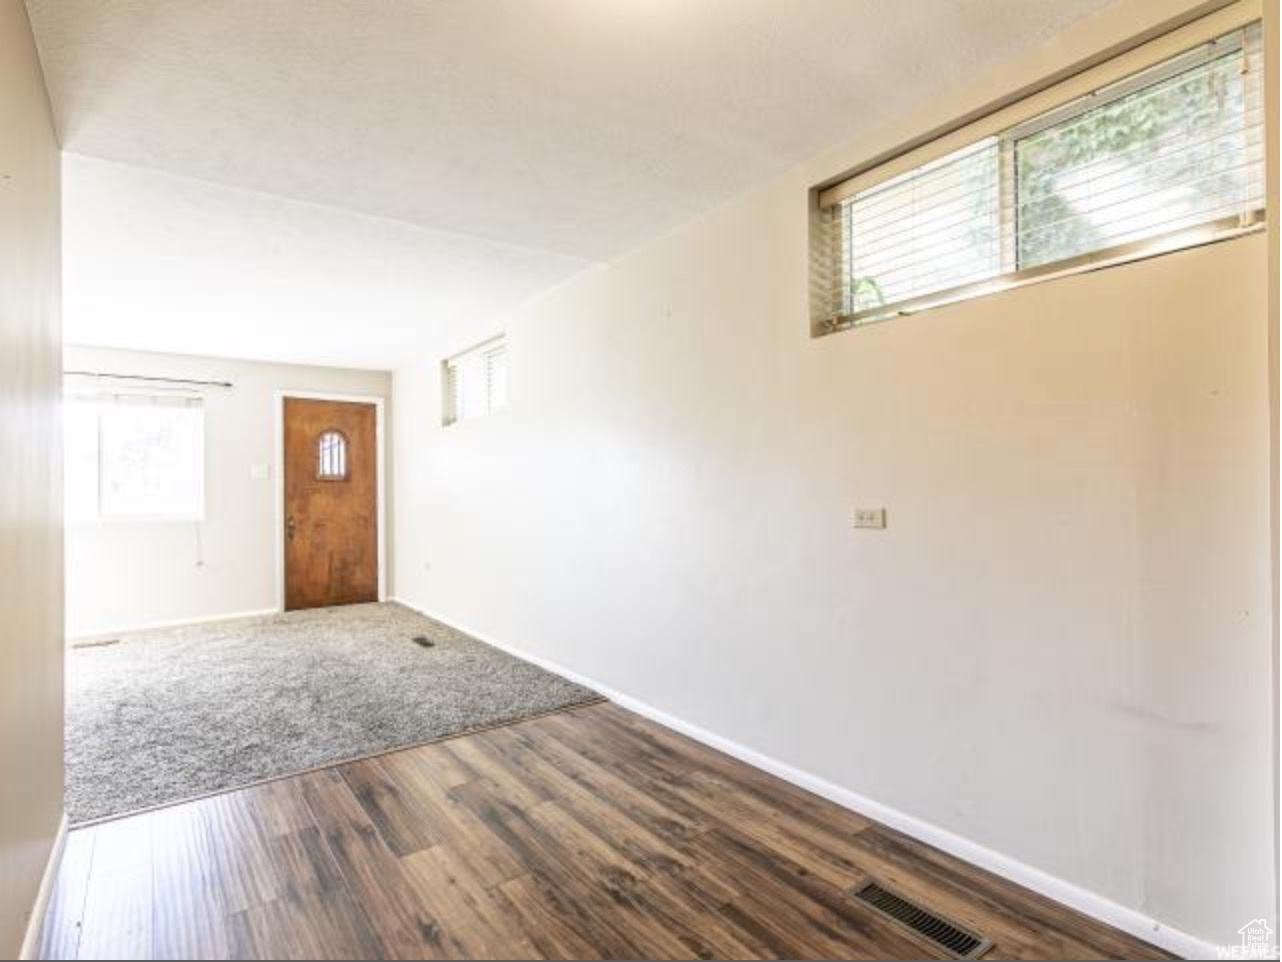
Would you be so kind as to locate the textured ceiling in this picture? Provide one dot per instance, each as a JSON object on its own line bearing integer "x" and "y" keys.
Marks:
{"x": 575, "y": 127}
{"x": 582, "y": 126}
{"x": 157, "y": 262}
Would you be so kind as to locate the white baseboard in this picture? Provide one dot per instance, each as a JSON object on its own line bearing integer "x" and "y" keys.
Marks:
{"x": 1075, "y": 897}
{"x": 35, "y": 924}
{"x": 172, "y": 623}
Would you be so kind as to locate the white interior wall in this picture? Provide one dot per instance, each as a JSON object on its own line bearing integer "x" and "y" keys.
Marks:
{"x": 1060, "y": 648}
{"x": 131, "y": 574}
{"x": 30, "y": 510}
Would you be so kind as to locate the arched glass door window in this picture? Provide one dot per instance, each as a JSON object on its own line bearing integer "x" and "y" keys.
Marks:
{"x": 331, "y": 456}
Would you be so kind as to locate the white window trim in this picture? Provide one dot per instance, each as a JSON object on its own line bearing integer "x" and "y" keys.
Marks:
{"x": 1022, "y": 113}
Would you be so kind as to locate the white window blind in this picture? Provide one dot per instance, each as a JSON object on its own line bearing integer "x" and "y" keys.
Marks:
{"x": 1165, "y": 158}
{"x": 474, "y": 383}
{"x": 134, "y": 457}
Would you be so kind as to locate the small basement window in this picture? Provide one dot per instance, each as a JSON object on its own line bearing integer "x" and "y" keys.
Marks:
{"x": 474, "y": 382}
{"x": 1158, "y": 159}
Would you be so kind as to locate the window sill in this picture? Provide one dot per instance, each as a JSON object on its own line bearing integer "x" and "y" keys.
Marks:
{"x": 1229, "y": 228}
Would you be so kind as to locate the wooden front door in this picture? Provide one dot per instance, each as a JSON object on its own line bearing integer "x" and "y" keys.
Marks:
{"x": 331, "y": 503}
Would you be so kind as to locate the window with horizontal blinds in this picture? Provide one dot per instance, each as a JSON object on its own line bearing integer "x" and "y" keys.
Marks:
{"x": 1168, "y": 157}
{"x": 474, "y": 383}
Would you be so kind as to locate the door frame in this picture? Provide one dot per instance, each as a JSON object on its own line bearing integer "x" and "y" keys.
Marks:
{"x": 380, "y": 485}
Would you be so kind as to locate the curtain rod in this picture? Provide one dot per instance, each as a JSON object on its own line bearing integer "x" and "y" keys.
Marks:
{"x": 142, "y": 377}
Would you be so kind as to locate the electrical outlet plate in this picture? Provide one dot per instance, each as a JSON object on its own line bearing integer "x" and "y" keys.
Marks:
{"x": 870, "y": 517}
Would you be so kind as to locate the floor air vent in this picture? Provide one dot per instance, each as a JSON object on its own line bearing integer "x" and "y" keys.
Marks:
{"x": 424, "y": 642}
{"x": 948, "y": 937}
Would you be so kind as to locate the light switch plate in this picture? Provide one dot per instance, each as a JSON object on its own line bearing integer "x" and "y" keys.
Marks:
{"x": 260, "y": 472}
{"x": 870, "y": 517}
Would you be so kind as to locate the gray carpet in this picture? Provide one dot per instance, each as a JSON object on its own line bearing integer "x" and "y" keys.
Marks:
{"x": 167, "y": 715}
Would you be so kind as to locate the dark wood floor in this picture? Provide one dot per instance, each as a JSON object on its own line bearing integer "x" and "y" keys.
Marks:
{"x": 590, "y": 834}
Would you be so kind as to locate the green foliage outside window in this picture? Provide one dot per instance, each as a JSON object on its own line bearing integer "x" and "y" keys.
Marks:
{"x": 1131, "y": 166}
{"x": 1179, "y": 152}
